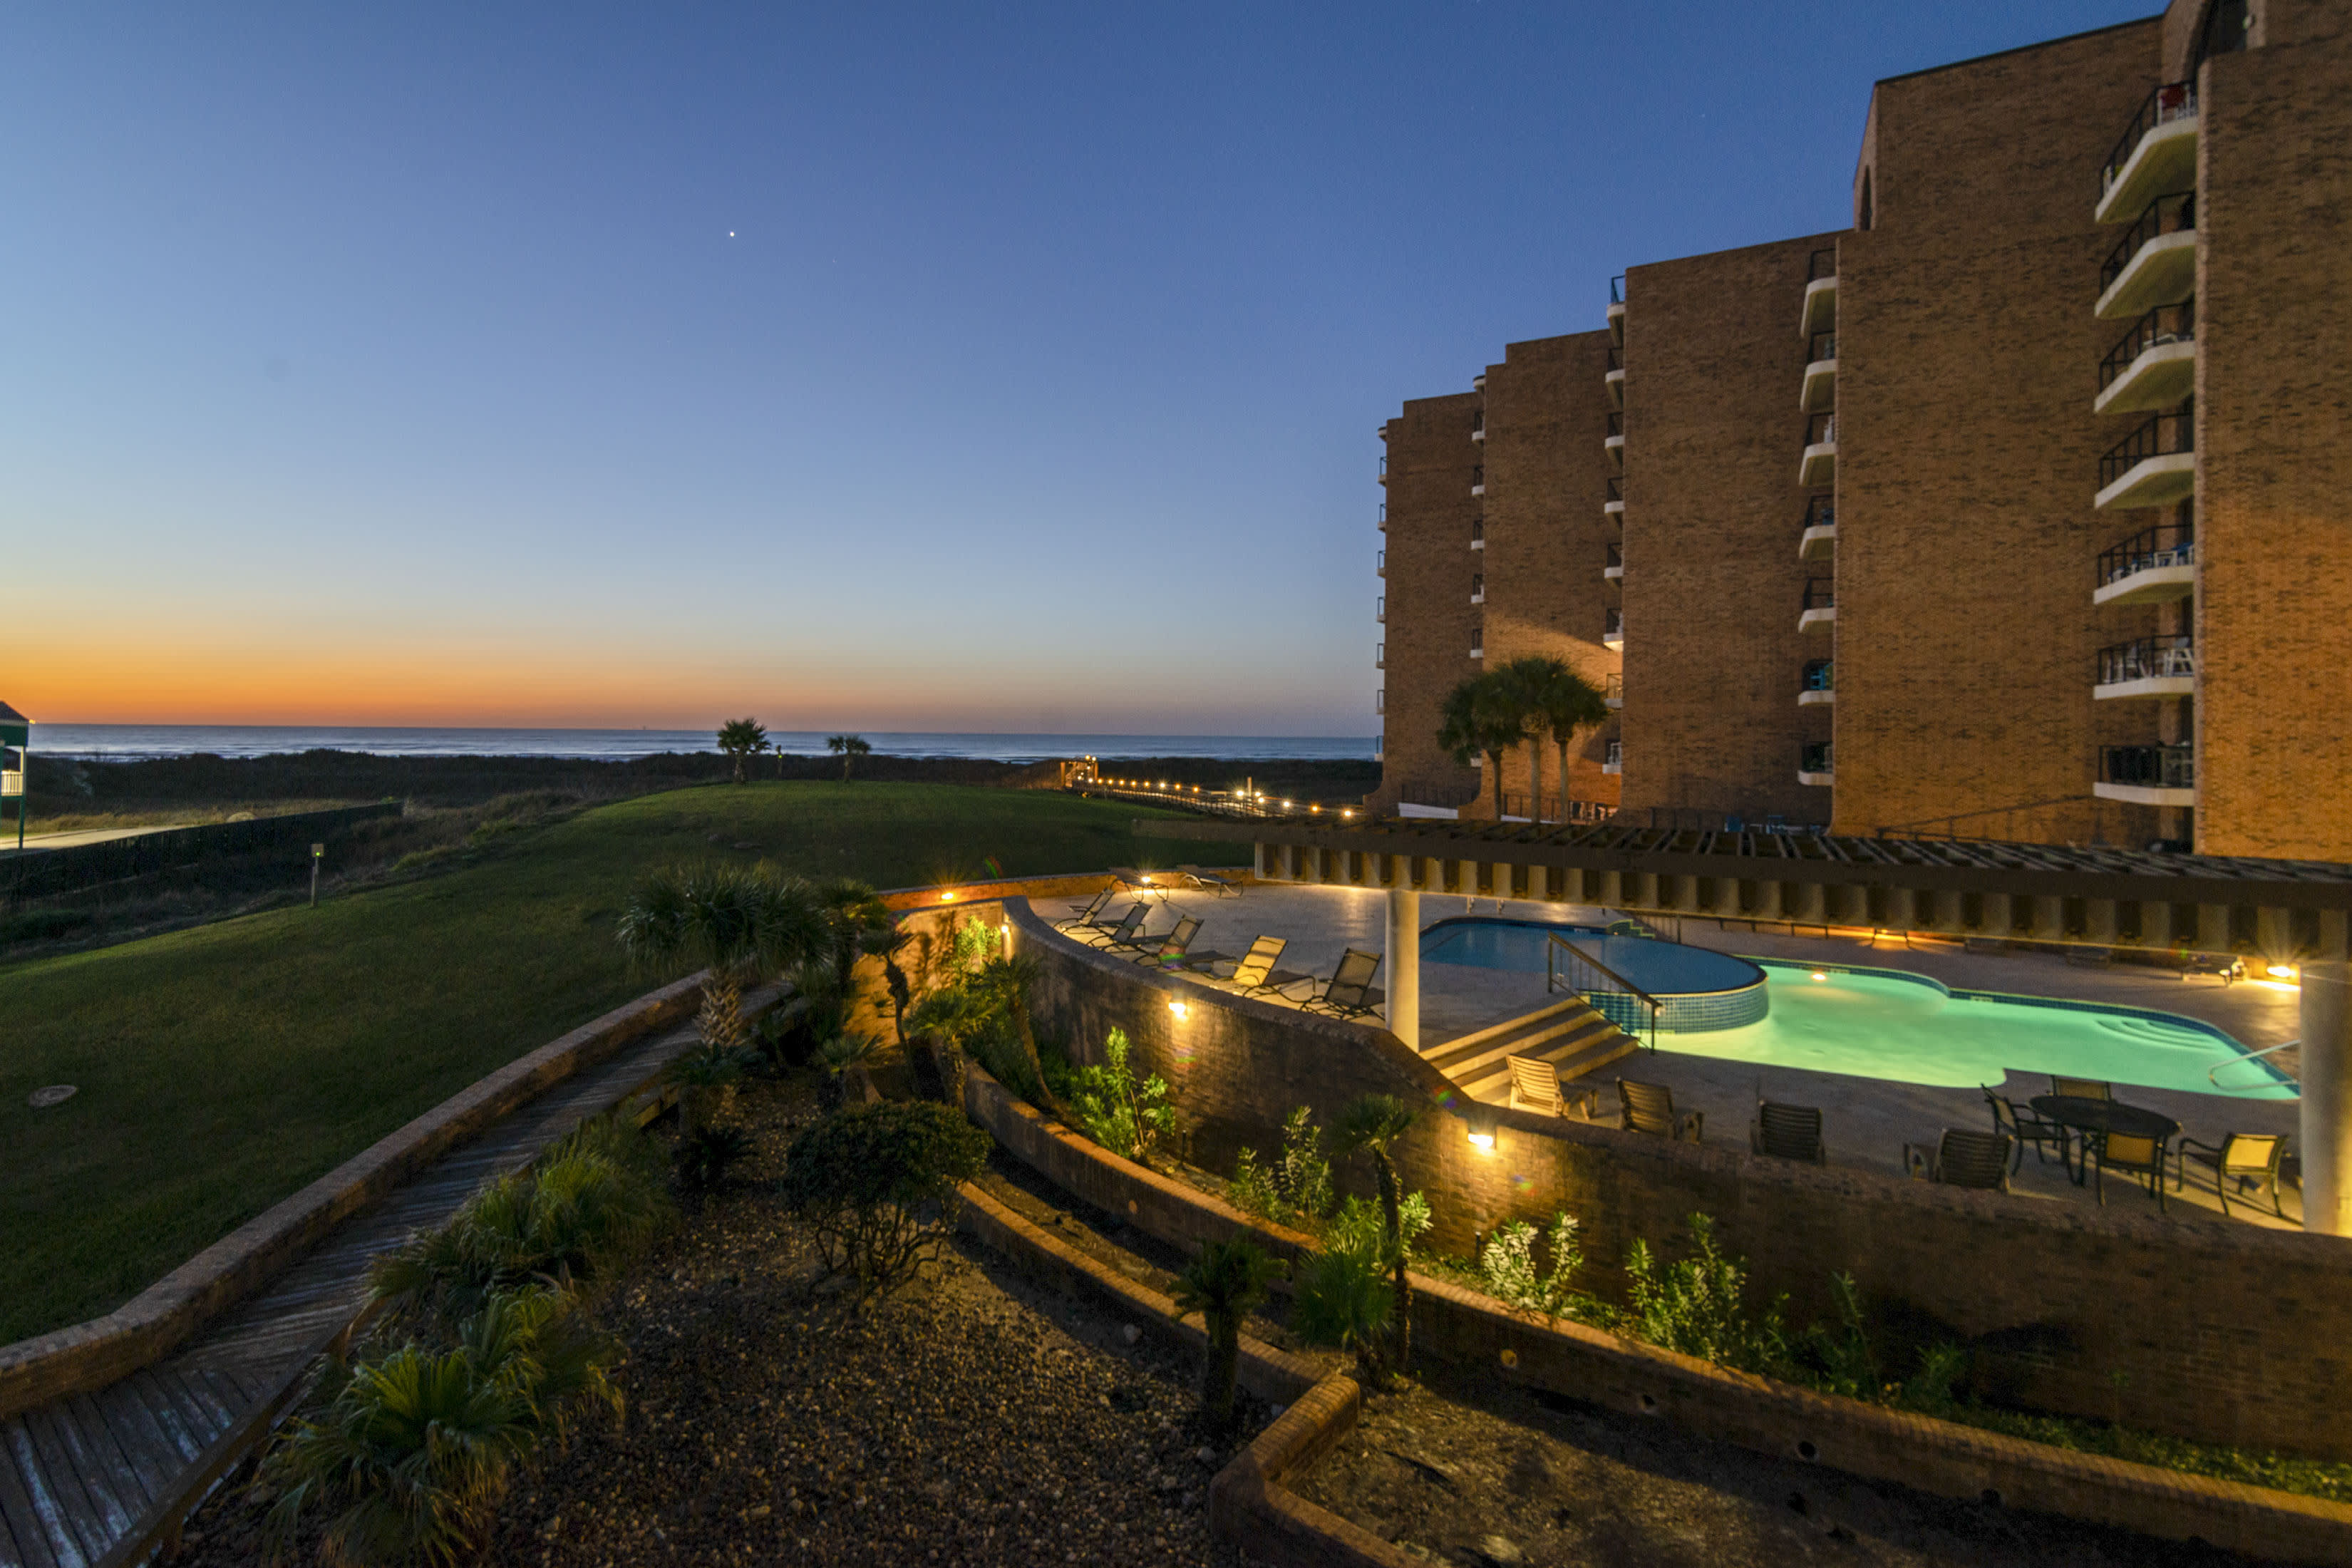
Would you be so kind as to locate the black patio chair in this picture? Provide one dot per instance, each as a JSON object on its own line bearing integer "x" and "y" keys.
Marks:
{"x": 1962, "y": 1159}
{"x": 1123, "y": 934}
{"x": 1085, "y": 914}
{"x": 1170, "y": 953}
{"x": 1650, "y": 1107}
{"x": 2132, "y": 1153}
{"x": 1787, "y": 1132}
{"x": 1210, "y": 882}
{"x": 1349, "y": 993}
{"x": 2025, "y": 1127}
{"x": 2081, "y": 1087}
{"x": 2241, "y": 1157}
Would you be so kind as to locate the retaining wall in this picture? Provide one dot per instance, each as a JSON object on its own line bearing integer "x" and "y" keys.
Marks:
{"x": 2225, "y": 1333}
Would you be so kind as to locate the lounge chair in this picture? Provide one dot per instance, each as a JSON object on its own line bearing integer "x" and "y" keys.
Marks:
{"x": 1787, "y": 1132}
{"x": 1252, "y": 970}
{"x": 1210, "y": 882}
{"x": 2081, "y": 1087}
{"x": 1170, "y": 953}
{"x": 1086, "y": 914}
{"x": 1349, "y": 993}
{"x": 1140, "y": 883}
{"x": 1650, "y": 1107}
{"x": 2091, "y": 957}
{"x": 1535, "y": 1084}
{"x": 2025, "y": 1127}
{"x": 2241, "y": 1157}
{"x": 2134, "y": 1154}
{"x": 2228, "y": 966}
{"x": 1963, "y": 1159}
{"x": 1123, "y": 934}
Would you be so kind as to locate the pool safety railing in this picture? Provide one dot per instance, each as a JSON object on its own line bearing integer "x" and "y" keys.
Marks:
{"x": 1614, "y": 997}
{"x": 2272, "y": 1076}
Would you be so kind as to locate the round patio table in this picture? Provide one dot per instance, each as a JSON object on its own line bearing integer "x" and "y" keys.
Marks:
{"x": 2100, "y": 1116}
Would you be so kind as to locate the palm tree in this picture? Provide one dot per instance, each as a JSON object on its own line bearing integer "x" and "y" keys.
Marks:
{"x": 742, "y": 739}
{"x": 1551, "y": 699}
{"x": 1223, "y": 1284}
{"x": 1373, "y": 1124}
{"x": 854, "y": 912}
{"x": 736, "y": 921}
{"x": 1480, "y": 718}
{"x": 1005, "y": 981}
{"x": 850, "y": 747}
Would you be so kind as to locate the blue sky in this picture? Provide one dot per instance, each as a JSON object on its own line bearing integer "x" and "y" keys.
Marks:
{"x": 897, "y": 366}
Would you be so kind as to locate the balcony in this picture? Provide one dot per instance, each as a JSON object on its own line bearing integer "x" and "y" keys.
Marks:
{"x": 1379, "y": 562}
{"x": 1615, "y": 441}
{"x": 1381, "y": 609}
{"x": 2155, "y": 263}
{"x": 1478, "y": 587}
{"x": 1615, "y": 377}
{"x": 1820, "y": 390}
{"x": 1478, "y": 534}
{"x": 1479, "y": 426}
{"x": 2156, "y": 465}
{"x": 1478, "y": 642}
{"x": 1818, "y": 542}
{"x": 2153, "y": 566}
{"x": 1612, "y": 501}
{"x": 1384, "y": 516}
{"x": 1380, "y": 656}
{"x": 1612, "y": 759}
{"x": 2151, "y": 666}
{"x": 1817, "y": 764}
{"x": 2157, "y": 152}
{"x": 2147, "y": 775}
{"x": 1614, "y": 693}
{"x": 1820, "y": 293}
{"x": 1479, "y": 480}
{"x": 1379, "y": 699}
{"x": 1820, "y": 609}
{"x": 1612, "y": 630}
{"x": 2154, "y": 365}
{"x": 1385, "y": 467}
{"x": 1613, "y": 567}
{"x": 1819, "y": 685}
{"x": 1817, "y": 468}
{"x": 1617, "y": 309}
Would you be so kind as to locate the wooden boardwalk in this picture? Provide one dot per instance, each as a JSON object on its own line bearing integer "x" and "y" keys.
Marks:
{"x": 96, "y": 1479}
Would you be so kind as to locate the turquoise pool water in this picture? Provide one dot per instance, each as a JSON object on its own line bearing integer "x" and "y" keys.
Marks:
{"x": 1660, "y": 968}
{"x": 1910, "y": 1029}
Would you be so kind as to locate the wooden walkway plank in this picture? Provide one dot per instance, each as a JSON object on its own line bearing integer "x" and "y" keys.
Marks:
{"x": 167, "y": 1417}
{"x": 28, "y": 1537}
{"x": 153, "y": 1455}
{"x": 95, "y": 1439}
{"x": 47, "y": 1473}
{"x": 90, "y": 1464}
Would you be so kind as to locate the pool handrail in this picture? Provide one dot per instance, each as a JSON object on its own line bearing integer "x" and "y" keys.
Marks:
{"x": 2247, "y": 1057}
{"x": 1578, "y": 955}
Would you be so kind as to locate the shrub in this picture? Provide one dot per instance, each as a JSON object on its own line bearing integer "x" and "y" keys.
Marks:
{"x": 412, "y": 1452}
{"x": 1359, "y": 1225}
{"x": 876, "y": 1183}
{"x": 1223, "y": 1284}
{"x": 1341, "y": 1298}
{"x": 1508, "y": 1265}
{"x": 1693, "y": 1306}
{"x": 1128, "y": 1115}
{"x": 1296, "y": 1190}
{"x": 705, "y": 1157}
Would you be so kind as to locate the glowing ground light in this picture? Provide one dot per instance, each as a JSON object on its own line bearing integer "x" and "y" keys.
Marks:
{"x": 947, "y": 898}
{"x": 2281, "y": 972}
{"x": 1483, "y": 1142}
{"x": 1180, "y": 1009}
{"x": 1819, "y": 975}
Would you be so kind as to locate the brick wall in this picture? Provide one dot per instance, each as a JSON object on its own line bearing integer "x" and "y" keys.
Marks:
{"x": 1713, "y": 365}
{"x": 2274, "y": 444}
{"x": 1547, "y": 538}
{"x": 1967, "y": 451}
{"x": 2226, "y": 1332}
{"x": 1430, "y": 518}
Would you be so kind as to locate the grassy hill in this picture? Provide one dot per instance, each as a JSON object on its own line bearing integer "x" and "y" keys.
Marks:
{"x": 224, "y": 1067}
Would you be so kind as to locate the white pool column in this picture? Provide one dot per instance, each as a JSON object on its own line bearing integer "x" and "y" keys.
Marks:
{"x": 1405, "y": 965}
{"x": 2326, "y": 1123}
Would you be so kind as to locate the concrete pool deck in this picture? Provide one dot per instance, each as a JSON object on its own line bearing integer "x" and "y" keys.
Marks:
{"x": 1867, "y": 1121}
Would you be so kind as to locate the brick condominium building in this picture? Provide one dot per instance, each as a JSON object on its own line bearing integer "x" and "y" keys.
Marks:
{"x": 2023, "y": 509}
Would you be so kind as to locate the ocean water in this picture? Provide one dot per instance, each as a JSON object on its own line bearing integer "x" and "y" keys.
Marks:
{"x": 124, "y": 742}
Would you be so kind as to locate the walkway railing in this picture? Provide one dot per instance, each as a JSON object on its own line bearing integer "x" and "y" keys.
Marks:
{"x": 2269, "y": 1075}
{"x": 1612, "y": 995}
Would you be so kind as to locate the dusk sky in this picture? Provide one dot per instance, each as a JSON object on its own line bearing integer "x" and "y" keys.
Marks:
{"x": 957, "y": 367}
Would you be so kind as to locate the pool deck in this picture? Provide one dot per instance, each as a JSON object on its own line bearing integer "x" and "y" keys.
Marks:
{"x": 1867, "y": 1121}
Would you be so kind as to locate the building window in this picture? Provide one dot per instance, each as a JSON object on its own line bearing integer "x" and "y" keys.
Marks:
{"x": 2228, "y": 27}
{"x": 1478, "y": 587}
{"x": 1862, "y": 213}
{"x": 1478, "y": 642}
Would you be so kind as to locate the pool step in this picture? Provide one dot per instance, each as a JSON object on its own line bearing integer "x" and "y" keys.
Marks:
{"x": 1570, "y": 1034}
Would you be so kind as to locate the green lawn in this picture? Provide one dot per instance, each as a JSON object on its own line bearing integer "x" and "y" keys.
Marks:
{"x": 223, "y": 1068}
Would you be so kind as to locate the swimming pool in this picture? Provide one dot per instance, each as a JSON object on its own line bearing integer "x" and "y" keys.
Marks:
{"x": 1696, "y": 988}
{"x": 1891, "y": 1024}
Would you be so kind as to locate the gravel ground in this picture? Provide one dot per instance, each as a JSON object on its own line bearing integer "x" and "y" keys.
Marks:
{"x": 970, "y": 1418}
{"x": 1520, "y": 1478}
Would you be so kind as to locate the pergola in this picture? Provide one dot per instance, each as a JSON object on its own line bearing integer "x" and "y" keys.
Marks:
{"x": 2295, "y": 912}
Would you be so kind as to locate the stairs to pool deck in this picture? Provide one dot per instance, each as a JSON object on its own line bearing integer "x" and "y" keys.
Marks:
{"x": 1570, "y": 1034}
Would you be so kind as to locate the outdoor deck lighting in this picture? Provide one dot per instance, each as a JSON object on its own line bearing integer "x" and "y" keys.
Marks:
{"x": 1345, "y": 813}
{"x": 1818, "y": 974}
{"x": 947, "y": 898}
{"x": 1180, "y": 1009}
{"x": 2281, "y": 972}
{"x": 1481, "y": 1120}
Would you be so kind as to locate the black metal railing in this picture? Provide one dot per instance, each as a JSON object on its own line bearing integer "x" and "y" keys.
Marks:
{"x": 2165, "y": 324}
{"x": 1617, "y": 290}
{"x": 1552, "y": 809}
{"x": 1616, "y": 423}
{"x": 1821, "y": 264}
{"x": 1384, "y": 516}
{"x": 1818, "y": 757}
{"x": 1616, "y": 490}
{"x": 1820, "y": 510}
{"x": 2166, "y": 544}
{"x": 1478, "y": 642}
{"x": 1384, "y": 462}
{"x": 1477, "y": 476}
{"x": 1821, "y": 430}
{"x": 2173, "y": 101}
{"x": 1477, "y": 532}
{"x": 1479, "y": 422}
{"x": 2149, "y": 659}
{"x": 2173, "y": 214}
{"x": 1380, "y": 656}
{"x": 1613, "y": 754}
{"x": 1821, "y": 675}
{"x": 2163, "y": 435}
{"x": 1568, "y": 967}
{"x": 1478, "y": 587}
{"x": 1616, "y": 557}
{"x": 2149, "y": 768}
{"x": 1823, "y": 346}
{"x": 1613, "y": 625}
{"x": 1821, "y": 593}
{"x": 1616, "y": 357}
{"x": 1613, "y": 688}
{"x": 1381, "y": 609}
{"x": 1381, "y": 562}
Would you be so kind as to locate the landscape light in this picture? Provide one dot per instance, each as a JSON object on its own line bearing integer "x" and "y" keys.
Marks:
{"x": 947, "y": 898}
{"x": 1483, "y": 1142}
{"x": 1819, "y": 975}
{"x": 1345, "y": 812}
{"x": 1314, "y": 808}
{"x": 2282, "y": 970}
{"x": 1178, "y": 1008}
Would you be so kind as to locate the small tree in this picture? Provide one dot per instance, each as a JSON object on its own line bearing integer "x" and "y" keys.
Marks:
{"x": 853, "y": 913}
{"x": 735, "y": 920}
{"x": 1340, "y": 1298}
{"x": 1693, "y": 1306}
{"x": 742, "y": 739}
{"x": 1005, "y": 980}
{"x": 1128, "y": 1115}
{"x": 1481, "y": 717}
{"x": 877, "y": 1185}
{"x": 849, "y": 748}
{"x": 1372, "y": 1125}
{"x": 1223, "y": 1284}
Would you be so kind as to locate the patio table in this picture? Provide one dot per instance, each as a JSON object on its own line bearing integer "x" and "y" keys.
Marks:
{"x": 2088, "y": 1116}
